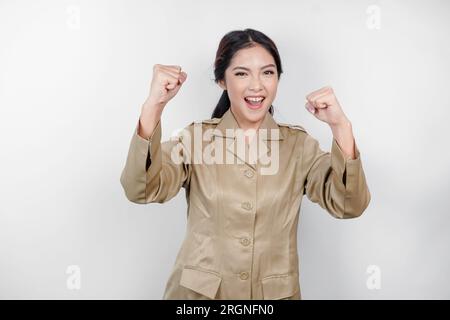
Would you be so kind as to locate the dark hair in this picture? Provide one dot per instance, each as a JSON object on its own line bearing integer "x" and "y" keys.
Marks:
{"x": 228, "y": 46}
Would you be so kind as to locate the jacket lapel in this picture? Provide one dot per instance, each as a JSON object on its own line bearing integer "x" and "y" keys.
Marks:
{"x": 233, "y": 139}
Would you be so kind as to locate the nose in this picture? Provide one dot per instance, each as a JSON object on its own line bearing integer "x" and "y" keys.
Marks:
{"x": 255, "y": 84}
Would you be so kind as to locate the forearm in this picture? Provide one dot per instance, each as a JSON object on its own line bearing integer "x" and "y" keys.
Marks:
{"x": 148, "y": 120}
{"x": 343, "y": 134}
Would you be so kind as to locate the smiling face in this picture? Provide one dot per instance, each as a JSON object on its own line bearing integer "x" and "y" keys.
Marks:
{"x": 251, "y": 75}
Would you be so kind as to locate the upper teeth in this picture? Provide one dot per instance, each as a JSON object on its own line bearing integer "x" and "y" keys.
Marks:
{"x": 255, "y": 99}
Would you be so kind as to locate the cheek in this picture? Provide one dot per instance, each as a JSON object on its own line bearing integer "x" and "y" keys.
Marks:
{"x": 236, "y": 91}
{"x": 272, "y": 85}
{"x": 235, "y": 96}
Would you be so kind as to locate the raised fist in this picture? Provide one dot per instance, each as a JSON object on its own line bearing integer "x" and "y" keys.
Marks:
{"x": 166, "y": 82}
{"x": 324, "y": 105}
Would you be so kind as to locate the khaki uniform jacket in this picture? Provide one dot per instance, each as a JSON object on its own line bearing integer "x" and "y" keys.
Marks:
{"x": 241, "y": 236}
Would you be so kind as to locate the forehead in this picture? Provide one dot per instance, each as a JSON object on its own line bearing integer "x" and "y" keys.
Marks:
{"x": 253, "y": 57}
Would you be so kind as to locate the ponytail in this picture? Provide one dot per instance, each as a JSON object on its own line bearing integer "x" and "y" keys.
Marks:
{"x": 222, "y": 106}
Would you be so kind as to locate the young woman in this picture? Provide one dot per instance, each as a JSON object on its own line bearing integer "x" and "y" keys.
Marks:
{"x": 241, "y": 237}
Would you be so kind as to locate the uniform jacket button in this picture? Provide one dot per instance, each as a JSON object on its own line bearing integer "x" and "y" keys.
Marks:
{"x": 245, "y": 241}
{"x": 244, "y": 275}
{"x": 247, "y": 205}
{"x": 248, "y": 173}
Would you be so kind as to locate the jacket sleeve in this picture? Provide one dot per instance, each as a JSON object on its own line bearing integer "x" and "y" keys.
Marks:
{"x": 336, "y": 183}
{"x": 150, "y": 173}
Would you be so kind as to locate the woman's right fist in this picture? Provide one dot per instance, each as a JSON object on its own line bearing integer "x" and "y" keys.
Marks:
{"x": 166, "y": 82}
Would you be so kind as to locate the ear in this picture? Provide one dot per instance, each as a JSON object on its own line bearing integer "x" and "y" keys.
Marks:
{"x": 222, "y": 84}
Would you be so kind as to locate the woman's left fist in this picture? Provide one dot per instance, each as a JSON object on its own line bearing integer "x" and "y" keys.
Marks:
{"x": 324, "y": 105}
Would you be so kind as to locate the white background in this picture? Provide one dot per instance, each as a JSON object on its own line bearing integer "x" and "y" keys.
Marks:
{"x": 73, "y": 77}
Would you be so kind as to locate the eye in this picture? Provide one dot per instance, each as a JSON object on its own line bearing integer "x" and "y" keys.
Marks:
{"x": 268, "y": 72}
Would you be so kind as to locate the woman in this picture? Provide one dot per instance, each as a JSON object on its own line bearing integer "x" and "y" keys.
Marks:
{"x": 241, "y": 237}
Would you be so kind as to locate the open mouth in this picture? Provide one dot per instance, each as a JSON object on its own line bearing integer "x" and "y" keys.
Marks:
{"x": 254, "y": 102}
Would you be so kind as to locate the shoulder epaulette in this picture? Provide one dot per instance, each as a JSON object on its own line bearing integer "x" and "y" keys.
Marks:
{"x": 210, "y": 121}
{"x": 293, "y": 126}
{"x": 213, "y": 120}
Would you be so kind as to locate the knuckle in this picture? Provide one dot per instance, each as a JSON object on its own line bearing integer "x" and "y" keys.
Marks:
{"x": 168, "y": 76}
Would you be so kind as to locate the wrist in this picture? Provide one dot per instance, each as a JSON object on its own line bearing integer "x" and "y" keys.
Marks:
{"x": 151, "y": 106}
{"x": 341, "y": 125}
{"x": 149, "y": 110}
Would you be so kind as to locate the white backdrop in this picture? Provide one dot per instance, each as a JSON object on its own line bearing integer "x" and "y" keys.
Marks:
{"x": 73, "y": 77}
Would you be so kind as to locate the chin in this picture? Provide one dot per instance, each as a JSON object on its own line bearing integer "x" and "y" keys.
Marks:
{"x": 253, "y": 115}
{"x": 256, "y": 115}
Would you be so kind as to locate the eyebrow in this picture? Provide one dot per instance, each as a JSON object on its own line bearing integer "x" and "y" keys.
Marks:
{"x": 239, "y": 67}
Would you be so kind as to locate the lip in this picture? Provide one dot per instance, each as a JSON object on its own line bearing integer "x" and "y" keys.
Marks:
{"x": 252, "y": 106}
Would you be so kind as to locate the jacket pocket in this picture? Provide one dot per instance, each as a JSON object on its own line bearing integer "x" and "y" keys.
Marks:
{"x": 205, "y": 282}
{"x": 280, "y": 286}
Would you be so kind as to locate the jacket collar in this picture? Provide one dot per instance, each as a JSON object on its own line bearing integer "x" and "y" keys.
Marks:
{"x": 228, "y": 121}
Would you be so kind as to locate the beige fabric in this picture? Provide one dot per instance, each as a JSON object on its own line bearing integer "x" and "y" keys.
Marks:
{"x": 241, "y": 236}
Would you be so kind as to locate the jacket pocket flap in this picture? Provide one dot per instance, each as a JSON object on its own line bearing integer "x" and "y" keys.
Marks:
{"x": 202, "y": 281}
{"x": 280, "y": 286}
